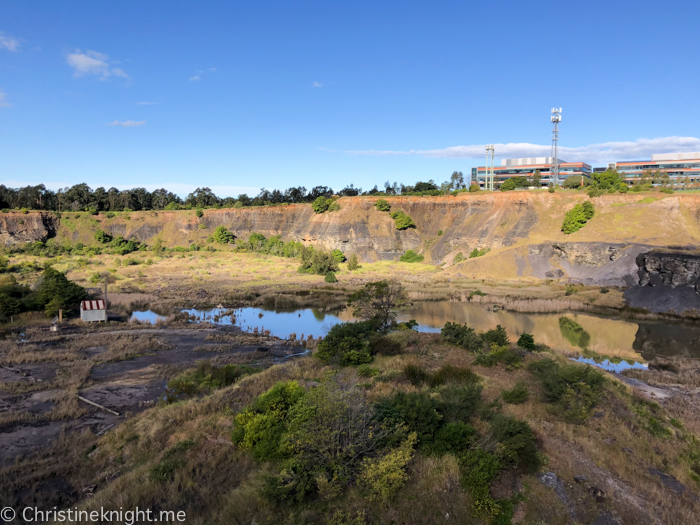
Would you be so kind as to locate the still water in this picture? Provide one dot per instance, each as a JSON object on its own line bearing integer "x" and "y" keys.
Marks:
{"x": 611, "y": 343}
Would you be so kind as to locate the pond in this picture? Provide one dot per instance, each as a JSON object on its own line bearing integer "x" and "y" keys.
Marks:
{"x": 614, "y": 344}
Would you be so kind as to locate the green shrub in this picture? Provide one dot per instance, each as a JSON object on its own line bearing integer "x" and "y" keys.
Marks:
{"x": 497, "y": 336}
{"x": 165, "y": 470}
{"x": 103, "y": 237}
{"x": 574, "y": 389}
{"x": 382, "y": 205}
{"x": 259, "y": 428}
{"x": 338, "y": 255}
{"x": 476, "y": 252}
{"x": 198, "y": 212}
{"x": 223, "y": 236}
{"x": 367, "y": 371}
{"x": 171, "y": 206}
{"x": 353, "y": 263}
{"x": 411, "y": 257}
{"x": 384, "y": 476}
{"x": 517, "y": 443}
{"x": 402, "y": 220}
{"x": 317, "y": 262}
{"x": 334, "y": 206}
{"x": 203, "y": 380}
{"x": 499, "y": 354}
{"x": 527, "y": 341}
{"x": 384, "y": 346}
{"x": 321, "y": 204}
{"x": 458, "y": 258}
{"x": 453, "y": 374}
{"x": 478, "y": 469}
{"x": 577, "y": 217}
{"x": 347, "y": 344}
{"x": 474, "y": 187}
{"x": 110, "y": 215}
{"x": 570, "y": 289}
{"x": 330, "y": 278}
{"x": 56, "y": 292}
{"x": 665, "y": 190}
{"x": 454, "y": 438}
{"x": 516, "y": 395}
{"x": 462, "y": 335}
{"x": 416, "y": 374}
{"x": 440, "y": 233}
{"x": 417, "y": 410}
{"x": 551, "y": 188}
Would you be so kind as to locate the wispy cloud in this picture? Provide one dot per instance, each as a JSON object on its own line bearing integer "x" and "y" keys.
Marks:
{"x": 195, "y": 78}
{"x": 93, "y": 63}
{"x": 596, "y": 153}
{"x": 316, "y": 85}
{"x": 3, "y": 102}
{"x": 127, "y": 123}
{"x": 146, "y": 103}
{"x": 8, "y": 42}
{"x": 212, "y": 69}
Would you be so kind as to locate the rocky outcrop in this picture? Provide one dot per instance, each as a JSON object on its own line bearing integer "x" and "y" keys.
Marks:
{"x": 671, "y": 269}
{"x": 18, "y": 228}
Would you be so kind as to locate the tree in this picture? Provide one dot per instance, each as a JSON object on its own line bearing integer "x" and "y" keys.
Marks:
{"x": 57, "y": 292}
{"x": 574, "y": 182}
{"x": 536, "y": 178}
{"x": 457, "y": 180}
{"x": 321, "y": 204}
{"x": 474, "y": 187}
{"x": 353, "y": 263}
{"x": 376, "y": 301}
{"x": 606, "y": 180}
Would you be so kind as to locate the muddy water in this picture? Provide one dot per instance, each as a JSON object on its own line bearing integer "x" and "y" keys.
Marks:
{"x": 607, "y": 341}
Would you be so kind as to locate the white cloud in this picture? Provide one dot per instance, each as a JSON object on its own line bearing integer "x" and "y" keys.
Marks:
{"x": 4, "y": 103}
{"x": 640, "y": 149}
{"x": 8, "y": 42}
{"x": 93, "y": 63}
{"x": 194, "y": 78}
{"x": 212, "y": 69}
{"x": 147, "y": 103}
{"x": 316, "y": 85}
{"x": 127, "y": 123}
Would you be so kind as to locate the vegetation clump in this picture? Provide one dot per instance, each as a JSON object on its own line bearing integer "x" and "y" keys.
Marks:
{"x": 458, "y": 258}
{"x": 402, "y": 220}
{"x": 203, "y": 380}
{"x": 516, "y": 395}
{"x": 257, "y": 243}
{"x": 375, "y": 302}
{"x": 322, "y": 204}
{"x": 353, "y": 263}
{"x": 317, "y": 262}
{"x": 476, "y": 252}
{"x": 330, "y": 278}
{"x": 574, "y": 390}
{"x": 223, "y": 236}
{"x": 411, "y": 257}
{"x": 577, "y": 217}
{"x": 382, "y": 205}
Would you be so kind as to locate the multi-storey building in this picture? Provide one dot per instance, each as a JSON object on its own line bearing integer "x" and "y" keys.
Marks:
{"x": 526, "y": 167}
{"x": 677, "y": 166}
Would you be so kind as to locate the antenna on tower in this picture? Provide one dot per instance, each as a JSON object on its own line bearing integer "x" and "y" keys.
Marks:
{"x": 490, "y": 152}
{"x": 554, "y": 170}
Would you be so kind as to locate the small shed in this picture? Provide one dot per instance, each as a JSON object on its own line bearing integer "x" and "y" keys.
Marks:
{"x": 93, "y": 310}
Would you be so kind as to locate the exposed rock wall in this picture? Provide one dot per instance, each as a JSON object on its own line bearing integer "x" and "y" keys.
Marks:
{"x": 671, "y": 269}
{"x": 18, "y": 228}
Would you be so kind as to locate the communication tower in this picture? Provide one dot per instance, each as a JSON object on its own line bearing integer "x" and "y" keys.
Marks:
{"x": 554, "y": 170}
{"x": 490, "y": 152}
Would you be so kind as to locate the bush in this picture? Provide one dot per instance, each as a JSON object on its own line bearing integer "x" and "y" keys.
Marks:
{"x": 353, "y": 263}
{"x": 317, "y": 262}
{"x": 321, "y": 204}
{"x": 517, "y": 444}
{"x": 497, "y": 336}
{"x": 665, "y": 190}
{"x": 570, "y": 289}
{"x": 402, "y": 220}
{"x": 440, "y": 233}
{"x": 476, "y": 252}
{"x": 103, "y": 237}
{"x": 411, "y": 257}
{"x": 527, "y": 341}
{"x": 575, "y": 389}
{"x": 551, "y": 188}
{"x": 454, "y": 438}
{"x": 382, "y": 205}
{"x": 223, "y": 236}
{"x": 123, "y": 247}
{"x": 417, "y": 410}
{"x": 347, "y": 344}
{"x": 198, "y": 212}
{"x": 462, "y": 335}
{"x": 474, "y": 187}
{"x": 458, "y": 258}
{"x": 260, "y": 427}
{"x": 330, "y": 278}
{"x": 384, "y": 346}
{"x": 516, "y": 395}
{"x": 367, "y": 371}
{"x": 338, "y": 255}
{"x": 334, "y": 206}
{"x": 577, "y": 217}
{"x": 384, "y": 476}
{"x": 499, "y": 354}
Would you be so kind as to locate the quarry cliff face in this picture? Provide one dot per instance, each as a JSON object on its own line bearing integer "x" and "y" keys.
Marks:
{"x": 19, "y": 228}
{"x": 522, "y": 230}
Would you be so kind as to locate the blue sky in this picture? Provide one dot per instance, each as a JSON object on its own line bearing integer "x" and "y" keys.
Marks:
{"x": 242, "y": 95}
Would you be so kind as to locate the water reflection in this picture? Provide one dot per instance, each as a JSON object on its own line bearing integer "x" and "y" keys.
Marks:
{"x": 613, "y": 366}
{"x": 600, "y": 339}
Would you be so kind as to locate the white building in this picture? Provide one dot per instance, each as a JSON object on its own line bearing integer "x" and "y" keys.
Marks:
{"x": 93, "y": 310}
